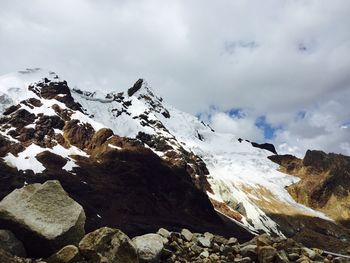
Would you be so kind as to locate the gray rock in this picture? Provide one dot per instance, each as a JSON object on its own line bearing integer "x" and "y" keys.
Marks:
{"x": 293, "y": 256}
{"x": 11, "y": 244}
{"x": 68, "y": 254}
{"x": 44, "y": 216}
{"x": 266, "y": 254}
{"x": 264, "y": 240}
{"x": 281, "y": 257}
{"x": 216, "y": 248}
{"x": 196, "y": 249}
{"x": 232, "y": 241}
{"x": 204, "y": 254}
{"x": 163, "y": 232}
{"x": 204, "y": 241}
{"x": 219, "y": 240}
{"x": 214, "y": 258}
{"x": 149, "y": 247}
{"x": 187, "y": 234}
{"x": 249, "y": 251}
{"x": 108, "y": 245}
{"x": 209, "y": 236}
{"x": 228, "y": 249}
{"x": 308, "y": 252}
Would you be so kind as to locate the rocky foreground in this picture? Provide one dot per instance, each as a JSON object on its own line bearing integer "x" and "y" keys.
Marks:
{"x": 43, "y": 224}
{"x": 106, "y": 245}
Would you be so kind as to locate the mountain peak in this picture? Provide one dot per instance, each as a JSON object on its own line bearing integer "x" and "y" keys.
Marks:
{"x": 137, "y": 86}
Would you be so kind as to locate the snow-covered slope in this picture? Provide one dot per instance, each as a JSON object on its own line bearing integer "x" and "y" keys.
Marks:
{"x": 240, "y": 176}
{"x": 14, "y": 90}
{"x": 239, "y": 179}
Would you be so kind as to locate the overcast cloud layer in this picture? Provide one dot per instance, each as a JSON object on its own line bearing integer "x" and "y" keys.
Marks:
{"x": 286, "y": 62}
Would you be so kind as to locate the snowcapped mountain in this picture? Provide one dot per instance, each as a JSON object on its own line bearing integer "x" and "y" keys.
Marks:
{"x": 243, "y": 181}
{"x": 48, "y": 129}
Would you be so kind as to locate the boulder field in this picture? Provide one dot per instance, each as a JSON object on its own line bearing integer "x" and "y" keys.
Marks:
{"x": 44, "y": 225}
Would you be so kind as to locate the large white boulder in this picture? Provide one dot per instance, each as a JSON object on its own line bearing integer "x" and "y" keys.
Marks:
{"x": 43, "y": 216}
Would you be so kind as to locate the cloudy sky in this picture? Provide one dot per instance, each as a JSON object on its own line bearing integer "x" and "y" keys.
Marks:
{"x": 276, "y": 70}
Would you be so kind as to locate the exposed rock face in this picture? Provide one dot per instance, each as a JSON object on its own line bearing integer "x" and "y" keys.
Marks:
{"x": 288, "y": 163}
{"x": 135, "y": 88}
{"x": 44, "y": 216}
{"x": 181, "y": 158}
{"x": 78, "y": 134}
{"x": 149, "y": 247}
{"x": 108, "y": 245}
{"x": 324, "y": 184}
{"x": 57, "y": 90}
{"x": 10, "y": 243}
{"x": 265, "y": 146}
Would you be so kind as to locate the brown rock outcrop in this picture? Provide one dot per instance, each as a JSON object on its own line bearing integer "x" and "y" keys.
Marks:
{"x": 324, "y": 184}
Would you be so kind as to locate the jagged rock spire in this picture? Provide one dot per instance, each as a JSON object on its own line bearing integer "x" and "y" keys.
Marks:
{"x": 135, "y": 88}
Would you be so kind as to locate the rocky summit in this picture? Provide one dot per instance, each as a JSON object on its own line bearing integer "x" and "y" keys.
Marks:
{"x": 150, "y": 183}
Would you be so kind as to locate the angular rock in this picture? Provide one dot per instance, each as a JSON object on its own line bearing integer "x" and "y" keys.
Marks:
{"x": 249, "y": 251}
{"x": 204, "y": 242}
{"x": 308, "y": 252}
{"x": 219, "y": 240}
{"x": 204, "y": 254}
{"x": 266, "y": 254}
{"x": 149, "y": 247}
{"x": 187, "y": 234}
{"x": 264, "y": 240}
{"x": 293, "y": 256}
{"x": 11, "y": 244}
{"x": 209, "y": 236}
{"x": 44, "y": 216}
{"x": 303, "y": 259}
{"x": 281, "y": 257}
{"x": 68, "y": 254}
{"x": 163, "y": 232}
{"x": 196, "y": 249}
{"x": 216, "y": 248}
{"x": 214, "y": 258}
{"x": 108, "y": 245}
{"x": 232, "y": 241}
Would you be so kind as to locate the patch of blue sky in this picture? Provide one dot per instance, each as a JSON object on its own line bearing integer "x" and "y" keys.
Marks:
{"x": 235, "y": 113}
{"x": 269, "y": 130}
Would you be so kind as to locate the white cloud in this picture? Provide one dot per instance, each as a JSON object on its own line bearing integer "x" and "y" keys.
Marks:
{"x": 321, "y": 128}
{"x": 274, "y": 58}
{"x": 240, "y": 127}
